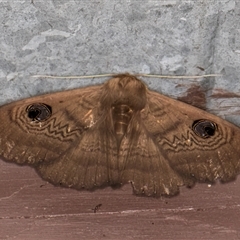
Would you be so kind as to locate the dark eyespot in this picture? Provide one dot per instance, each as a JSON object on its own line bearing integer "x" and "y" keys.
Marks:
{"x": 204, "y": 128}
{"x": 39, "y": 112}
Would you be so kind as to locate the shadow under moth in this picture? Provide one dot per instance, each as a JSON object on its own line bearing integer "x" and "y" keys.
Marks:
{"x": 116, "y": 133}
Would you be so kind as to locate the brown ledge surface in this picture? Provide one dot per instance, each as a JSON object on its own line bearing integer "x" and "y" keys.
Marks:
{"x": 34, "y": 209}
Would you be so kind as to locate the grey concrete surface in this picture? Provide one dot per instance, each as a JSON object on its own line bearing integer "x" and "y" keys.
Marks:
{"x": 171, "y": 37}
{"x": 93, "y": 37}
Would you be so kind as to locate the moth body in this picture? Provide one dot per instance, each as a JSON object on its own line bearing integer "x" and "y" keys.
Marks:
{"x": 121, "y": 115}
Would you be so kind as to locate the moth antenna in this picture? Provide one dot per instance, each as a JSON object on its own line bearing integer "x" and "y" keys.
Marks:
{"x": 113, "y": 74}
{"x": 186, "y": 77}
{"x": 74, "y": 77}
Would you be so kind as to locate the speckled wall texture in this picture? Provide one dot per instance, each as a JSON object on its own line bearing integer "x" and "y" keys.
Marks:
{"x": 92, "y": 37}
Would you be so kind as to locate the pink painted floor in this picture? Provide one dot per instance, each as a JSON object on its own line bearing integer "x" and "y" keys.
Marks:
{"x": 33, "y": 209}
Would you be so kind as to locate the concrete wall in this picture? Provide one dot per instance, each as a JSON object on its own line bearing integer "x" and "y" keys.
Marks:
{"x": 94, "y": 37}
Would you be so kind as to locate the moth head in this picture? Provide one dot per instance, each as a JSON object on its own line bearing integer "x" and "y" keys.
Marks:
{"x": 39, "y": 112}
{"x": 204, "y": 128}
{"x": 124, "y": 89}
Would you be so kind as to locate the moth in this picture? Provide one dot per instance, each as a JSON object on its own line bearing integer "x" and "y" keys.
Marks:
{"x": 117, "y": 133}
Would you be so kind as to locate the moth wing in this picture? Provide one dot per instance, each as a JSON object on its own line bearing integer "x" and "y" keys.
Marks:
{"x": 195, "y": 159}
{"x": 65, "y": 148}
{"x": 145, "y": 166}
{"x": 83, "y": 166}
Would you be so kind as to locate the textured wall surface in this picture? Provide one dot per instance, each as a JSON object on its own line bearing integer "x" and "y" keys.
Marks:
{"x": 94, "y": 37}
{"x": 75, "y": 37}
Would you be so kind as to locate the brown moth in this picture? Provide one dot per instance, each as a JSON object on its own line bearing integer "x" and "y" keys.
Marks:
{"x": 117, "y": 133}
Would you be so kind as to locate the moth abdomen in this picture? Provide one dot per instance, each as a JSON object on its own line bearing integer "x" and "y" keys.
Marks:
{"x": 121, "y": 115}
